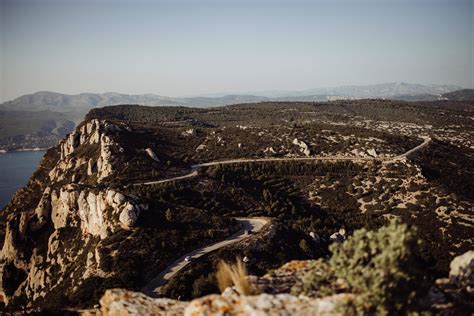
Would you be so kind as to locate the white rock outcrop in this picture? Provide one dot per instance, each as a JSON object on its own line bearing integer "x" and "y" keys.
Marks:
{"x": 303, "y": 147}
{"x": 129, "y": 214}
{"x": 99, "y": 213}
{"x": 372, "y": 152}
{"x": 461, "y": 271}
{"x": 189, "y": 132}
{"x": 92, "y": 132}
{"x": 63, "y": 204}
{"x": 201, "y": 147}
{"x": 269, "y": 150}
{"x": 104, "y": 163}
{"x": 123, "y": 302}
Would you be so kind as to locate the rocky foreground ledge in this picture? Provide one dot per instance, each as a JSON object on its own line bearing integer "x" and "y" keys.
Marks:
{"x": 443, "y": 297}
{"x": 122, "y": 302}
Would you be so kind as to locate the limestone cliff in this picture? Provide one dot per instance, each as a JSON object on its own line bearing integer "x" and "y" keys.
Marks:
{"x": 51, "y": 241}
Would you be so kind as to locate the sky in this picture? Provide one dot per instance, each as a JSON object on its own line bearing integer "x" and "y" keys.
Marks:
{"x": 178, "y": 48}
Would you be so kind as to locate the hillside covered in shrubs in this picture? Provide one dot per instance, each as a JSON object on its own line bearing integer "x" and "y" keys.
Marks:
{"x": 134, "y": 190}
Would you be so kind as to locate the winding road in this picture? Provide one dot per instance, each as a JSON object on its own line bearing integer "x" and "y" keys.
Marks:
{"x": 254, "y": 224}
{"x": 194, "y": 168}
{"x": 426, "y": 142}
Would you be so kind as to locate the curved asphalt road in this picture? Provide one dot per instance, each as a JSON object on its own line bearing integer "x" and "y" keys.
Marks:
{"x": 425, "y": 143}
{"x": 194, "y": 172}
{"x": 254, "y": 224}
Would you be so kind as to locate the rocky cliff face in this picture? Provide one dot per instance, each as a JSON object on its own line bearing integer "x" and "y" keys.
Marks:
{"x": 51, "y": 242}
{"x": 91, "y": 134}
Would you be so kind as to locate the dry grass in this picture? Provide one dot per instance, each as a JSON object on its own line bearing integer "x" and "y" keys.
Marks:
{"x": 233, "y": 274}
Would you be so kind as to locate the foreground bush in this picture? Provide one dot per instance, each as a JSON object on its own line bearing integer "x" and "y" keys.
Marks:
{"x": 378, "y": 266}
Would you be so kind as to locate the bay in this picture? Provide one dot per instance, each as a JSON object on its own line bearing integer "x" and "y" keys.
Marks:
{"x": 15, "y": 170}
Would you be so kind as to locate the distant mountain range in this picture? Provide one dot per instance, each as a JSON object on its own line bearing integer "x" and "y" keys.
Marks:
{"x": 383, "y": 90}
{"x": 52, "y": 101}
{"x": 56, "y": 114}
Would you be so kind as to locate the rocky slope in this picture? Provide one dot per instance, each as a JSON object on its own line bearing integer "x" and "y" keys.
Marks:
{"x": 74, "y": 230}
{"x": 55, "y": 237}
{"x": 449, "y": 296}
{"x": 97, "y": 214}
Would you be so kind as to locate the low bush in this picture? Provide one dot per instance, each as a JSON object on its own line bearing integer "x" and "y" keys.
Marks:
{"x": 379, "y": 267}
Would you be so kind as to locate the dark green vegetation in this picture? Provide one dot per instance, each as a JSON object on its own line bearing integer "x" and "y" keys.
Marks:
{"x": 262, "y": 190}
{"x": 306, "y": 201}
{"x": 266, "y": 113}
{"x": 380, "y": 267}
{"x": 381, "y": 270}
{"x": 449, "y": 167}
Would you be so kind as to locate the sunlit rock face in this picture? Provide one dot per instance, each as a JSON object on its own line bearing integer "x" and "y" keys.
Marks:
{"x": 56, "y": 239}
{"x": 303, "y": 147}
{"x": 121, "y": 302}
{"x": 94, "y": 132}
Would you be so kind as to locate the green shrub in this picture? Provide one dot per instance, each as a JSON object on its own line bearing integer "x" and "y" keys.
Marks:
{"x": 377, "y": 266}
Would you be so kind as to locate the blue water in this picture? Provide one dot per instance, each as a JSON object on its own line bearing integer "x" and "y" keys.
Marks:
{"x": 15, "y": 170}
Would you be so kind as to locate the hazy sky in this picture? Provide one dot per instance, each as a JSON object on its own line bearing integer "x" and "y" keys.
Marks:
{"x": 195, "y": 47}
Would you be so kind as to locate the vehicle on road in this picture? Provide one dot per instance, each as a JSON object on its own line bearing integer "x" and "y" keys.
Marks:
{"x": 188, "y": 258}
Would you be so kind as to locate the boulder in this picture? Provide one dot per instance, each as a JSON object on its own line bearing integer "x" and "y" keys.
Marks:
{"x": 337, "y": 237}
{"x": 129, "y": 214}
{"x": 266, "y": 304}
{"x": 281, "y": 280}
{"x": 201, "y": 147}
{"x": 189, "y": 132}
{"x": 372, "y": 152}
{"x": 461, "y": 271}
{"x": 453, "y": 295}
{"x": 123, "y": 302}
{"x": 303, "y": 146}
{"x": 269, "y": 150}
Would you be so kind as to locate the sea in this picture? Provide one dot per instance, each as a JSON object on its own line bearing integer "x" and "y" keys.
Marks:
{"x": 15, "y": 170}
